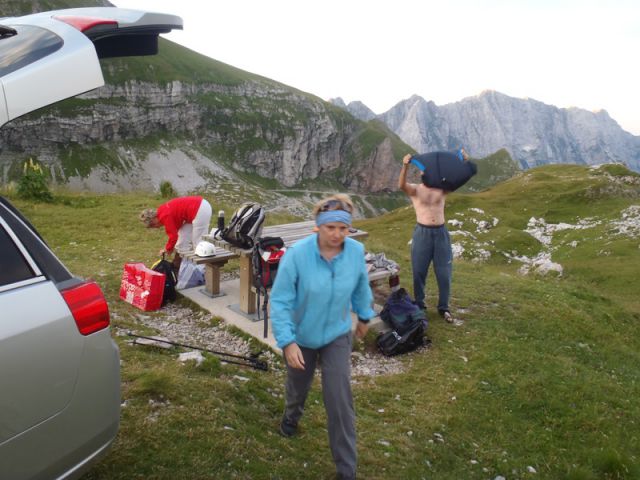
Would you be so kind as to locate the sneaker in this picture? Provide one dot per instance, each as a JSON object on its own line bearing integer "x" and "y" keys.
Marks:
{"x": 447, "y": 317}
{"x": 287, "y": 429}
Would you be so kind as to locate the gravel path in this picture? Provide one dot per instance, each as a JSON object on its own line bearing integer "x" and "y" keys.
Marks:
{"x": 183, "y": 325}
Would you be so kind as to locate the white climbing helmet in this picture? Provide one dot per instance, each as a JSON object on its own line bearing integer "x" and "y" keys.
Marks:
{"x": 205, "y": 249}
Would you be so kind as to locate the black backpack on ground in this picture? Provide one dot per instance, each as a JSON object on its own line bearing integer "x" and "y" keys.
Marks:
{"x": 245, "y": 226}
{"x": 265, "y": 259}
{"x": 170, "y": 279}
{"x": 407, "y": 322}
{"x": 392, "y": 343}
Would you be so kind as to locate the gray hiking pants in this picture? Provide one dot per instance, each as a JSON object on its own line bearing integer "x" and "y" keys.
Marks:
{"x": 335, "y": 365}
{"x": 431, "y": 243}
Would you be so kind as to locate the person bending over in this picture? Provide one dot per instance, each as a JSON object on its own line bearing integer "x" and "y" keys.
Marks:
{"x": 185, "y": 220}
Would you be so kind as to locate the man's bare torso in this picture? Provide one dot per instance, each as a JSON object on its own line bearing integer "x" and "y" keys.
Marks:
{"x": 428, "y": 204}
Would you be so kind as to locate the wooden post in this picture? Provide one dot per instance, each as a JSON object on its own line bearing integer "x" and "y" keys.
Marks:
{"x": 212, "y": 278}
{"x": 247, "y": 297}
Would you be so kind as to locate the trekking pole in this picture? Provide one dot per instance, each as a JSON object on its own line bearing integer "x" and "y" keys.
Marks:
{"x": 252, "y": 362}
{"x": 265, "y": 313}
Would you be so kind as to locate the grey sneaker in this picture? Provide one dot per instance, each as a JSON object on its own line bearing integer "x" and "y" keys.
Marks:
{"x": 287, "y": 429}
{"x": 447, "y": 317}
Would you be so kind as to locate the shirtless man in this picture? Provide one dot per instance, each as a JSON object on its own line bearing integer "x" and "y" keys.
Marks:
{"x": 430, "y": 242}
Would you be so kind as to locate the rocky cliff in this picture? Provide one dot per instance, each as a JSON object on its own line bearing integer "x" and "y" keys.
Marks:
{"x": 243, "y": 122}
{"x": 534, "y": 133}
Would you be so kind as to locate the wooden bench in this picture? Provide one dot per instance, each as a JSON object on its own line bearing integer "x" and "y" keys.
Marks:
{"x": 290, "y": 234}
{"x": 212, "y": 266}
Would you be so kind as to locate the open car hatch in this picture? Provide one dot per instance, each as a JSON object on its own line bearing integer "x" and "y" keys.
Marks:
{"x": 50, "y": 56}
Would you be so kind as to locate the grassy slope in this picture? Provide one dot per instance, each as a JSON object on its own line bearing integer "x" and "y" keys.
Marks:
{"x": 543, "y": 373}
{"x": 493, "y": 169}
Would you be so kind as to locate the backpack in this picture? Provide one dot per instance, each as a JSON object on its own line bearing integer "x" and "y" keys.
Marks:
{"x": 399, "y": 311}
{"x": 445, "y": 170}
{"x": 407, "y": 321}
{"x": 265, "y": 258}
{"x": 392, "y": 343}
{"x": 245, "y": 226}
{"x": 170, "y": 279}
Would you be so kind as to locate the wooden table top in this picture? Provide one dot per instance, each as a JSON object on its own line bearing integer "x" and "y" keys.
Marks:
{"x": 289, "y": 232}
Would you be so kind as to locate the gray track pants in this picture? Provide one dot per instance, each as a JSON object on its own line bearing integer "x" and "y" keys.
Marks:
{"x": 431, "y": 244}
{"x": 335, "y": 365}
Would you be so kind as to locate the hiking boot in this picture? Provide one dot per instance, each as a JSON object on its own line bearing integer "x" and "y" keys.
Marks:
{"x": 287, "y": 429}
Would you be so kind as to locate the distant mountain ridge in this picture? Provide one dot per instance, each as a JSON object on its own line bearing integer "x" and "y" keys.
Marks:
{"x": 355, "y": 108}
{"x": 533, "y": 132}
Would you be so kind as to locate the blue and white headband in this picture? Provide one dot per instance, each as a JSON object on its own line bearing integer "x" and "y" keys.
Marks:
{"x": 333, "y": 216}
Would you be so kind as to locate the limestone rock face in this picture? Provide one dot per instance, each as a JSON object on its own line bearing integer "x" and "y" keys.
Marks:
{"x": 534, "y": 133}
{"x": 255, "y": 127}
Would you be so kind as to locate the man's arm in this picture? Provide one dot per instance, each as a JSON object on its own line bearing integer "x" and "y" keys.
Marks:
{"x": 407, "y": 188}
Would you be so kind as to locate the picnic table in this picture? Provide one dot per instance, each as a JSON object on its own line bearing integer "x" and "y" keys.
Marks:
{"x": 212, "y": 266}
{"x": 290, "y": 234}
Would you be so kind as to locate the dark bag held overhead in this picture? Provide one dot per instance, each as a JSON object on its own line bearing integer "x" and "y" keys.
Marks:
{"x": 444, "y": 170}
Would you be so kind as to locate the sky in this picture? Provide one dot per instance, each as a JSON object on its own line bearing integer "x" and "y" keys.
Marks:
{"x": 561, "y": 52}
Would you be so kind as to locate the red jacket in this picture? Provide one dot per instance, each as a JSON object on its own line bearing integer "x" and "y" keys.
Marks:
{"x": 176, "y": 213}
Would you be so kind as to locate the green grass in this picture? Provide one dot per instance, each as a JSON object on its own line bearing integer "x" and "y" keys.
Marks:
{"x": 545, "y": 371}
{"x": 493, "y": 169}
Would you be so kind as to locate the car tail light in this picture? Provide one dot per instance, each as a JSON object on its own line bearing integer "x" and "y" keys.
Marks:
{"x": 88, "y": 306}
{"x": 84, "y": 23}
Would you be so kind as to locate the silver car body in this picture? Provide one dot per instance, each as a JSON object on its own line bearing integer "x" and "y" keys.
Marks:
{"x": 59, "y": 388}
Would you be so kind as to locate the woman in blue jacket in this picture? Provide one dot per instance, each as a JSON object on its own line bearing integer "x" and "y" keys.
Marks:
{"x": 320, "y": 280}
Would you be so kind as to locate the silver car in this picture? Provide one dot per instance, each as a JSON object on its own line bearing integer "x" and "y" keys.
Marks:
{"x": 59, "y": 367}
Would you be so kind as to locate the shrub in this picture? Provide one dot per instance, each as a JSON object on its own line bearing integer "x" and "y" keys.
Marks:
{"x": 33, "y": 183}
{"x": 167, "y": 190}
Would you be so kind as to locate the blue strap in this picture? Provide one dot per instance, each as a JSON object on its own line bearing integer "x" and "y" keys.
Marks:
{"x": 417, "y": 164}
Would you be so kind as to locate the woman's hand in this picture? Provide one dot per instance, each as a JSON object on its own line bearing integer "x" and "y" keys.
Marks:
{"x": 361, "y": 329}
{"x": 293, "y": 355}
{"x": 406, "y": 159}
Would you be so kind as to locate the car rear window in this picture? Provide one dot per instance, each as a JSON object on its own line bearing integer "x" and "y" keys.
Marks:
{"x": 27, "y": 46}
{"x": 38, "y": 250}
{"x": 14, "y": 266}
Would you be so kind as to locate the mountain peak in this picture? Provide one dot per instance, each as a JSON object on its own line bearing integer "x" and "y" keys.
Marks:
{"x": 534, "y": 133}
{"x": 338, "y": 102}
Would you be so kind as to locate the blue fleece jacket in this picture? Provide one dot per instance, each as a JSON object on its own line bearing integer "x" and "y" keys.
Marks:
{"x": 312, "y": 299}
